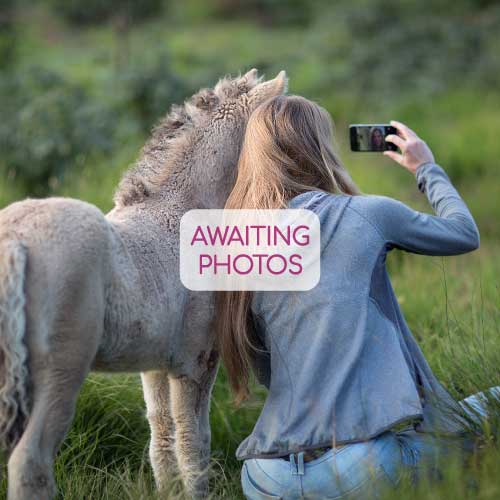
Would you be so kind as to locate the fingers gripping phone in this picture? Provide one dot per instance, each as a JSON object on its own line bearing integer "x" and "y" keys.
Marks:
{"x": 371, "y": 137}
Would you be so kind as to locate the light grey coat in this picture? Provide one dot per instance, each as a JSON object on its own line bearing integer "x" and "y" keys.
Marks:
{"x": 81, "y": 291}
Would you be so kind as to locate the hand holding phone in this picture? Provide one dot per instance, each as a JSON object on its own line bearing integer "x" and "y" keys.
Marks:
{"x": 387, "y": 138}
{"x": 414, "y": 151}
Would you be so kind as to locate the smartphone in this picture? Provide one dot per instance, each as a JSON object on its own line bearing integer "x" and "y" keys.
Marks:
{"x": 371, "y": 137}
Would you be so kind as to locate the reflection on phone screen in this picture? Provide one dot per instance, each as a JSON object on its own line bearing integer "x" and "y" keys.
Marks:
{"x": 371, "y": 138}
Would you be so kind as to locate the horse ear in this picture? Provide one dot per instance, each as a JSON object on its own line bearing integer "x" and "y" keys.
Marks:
{"x": 269, "y": 88}
{"x": 249, "y": 80}
{"x": 250, "y": 75}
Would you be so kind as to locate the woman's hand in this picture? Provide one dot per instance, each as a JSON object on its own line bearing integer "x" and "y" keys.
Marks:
{"x": 414, "y": 151}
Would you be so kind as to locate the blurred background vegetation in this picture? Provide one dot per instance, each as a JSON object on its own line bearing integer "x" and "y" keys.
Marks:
{"x": 83, "y": 82}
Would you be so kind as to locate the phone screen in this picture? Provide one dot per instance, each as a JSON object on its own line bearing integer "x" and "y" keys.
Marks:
{"x": 371, "y": 137}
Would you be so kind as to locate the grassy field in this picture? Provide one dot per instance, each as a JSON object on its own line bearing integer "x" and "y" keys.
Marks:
{"x": 451, "y": 304}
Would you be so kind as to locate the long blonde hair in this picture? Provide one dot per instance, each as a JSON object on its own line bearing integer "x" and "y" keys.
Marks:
{"x": 287, "y": 150}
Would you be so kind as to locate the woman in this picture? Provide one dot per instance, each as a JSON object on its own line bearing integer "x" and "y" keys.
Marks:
{"x": 342, "y": 367}
{"x": 376, "y": 139}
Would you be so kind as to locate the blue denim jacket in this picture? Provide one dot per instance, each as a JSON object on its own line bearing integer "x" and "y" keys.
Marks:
{"x": 340, "y": 362}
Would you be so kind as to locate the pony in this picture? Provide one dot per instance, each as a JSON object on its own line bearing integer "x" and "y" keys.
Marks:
{"x": 83, "y": 291}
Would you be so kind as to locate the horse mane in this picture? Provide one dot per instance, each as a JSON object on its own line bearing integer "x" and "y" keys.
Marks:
{"x": 173, "y": 136}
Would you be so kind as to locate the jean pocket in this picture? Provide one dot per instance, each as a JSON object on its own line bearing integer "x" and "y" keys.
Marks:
{"x": 363, "y": 471}
{"x": 252, "y": 491}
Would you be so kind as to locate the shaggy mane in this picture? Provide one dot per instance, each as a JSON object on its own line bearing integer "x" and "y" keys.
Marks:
{"x": 173, "y": 135}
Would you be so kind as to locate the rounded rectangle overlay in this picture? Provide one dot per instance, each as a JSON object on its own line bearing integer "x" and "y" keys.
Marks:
{"x": 250, "y": 249}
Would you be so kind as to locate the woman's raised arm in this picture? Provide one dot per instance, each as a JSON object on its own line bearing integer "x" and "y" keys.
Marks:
{"x": 451, "y": 231}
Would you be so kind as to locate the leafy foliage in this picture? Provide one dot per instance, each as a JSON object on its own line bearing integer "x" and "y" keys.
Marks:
{"x": 267, "y": 12}
{"x": 151, "y": 88}
{"x": 99, "y": 11}
{"x": 7, "y": 33}
{"x": 48, "y": 125}
{"x": 390, "y": 49}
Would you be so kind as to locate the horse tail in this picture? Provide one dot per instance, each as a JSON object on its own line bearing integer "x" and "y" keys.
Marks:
{"x": 14, "y": 401}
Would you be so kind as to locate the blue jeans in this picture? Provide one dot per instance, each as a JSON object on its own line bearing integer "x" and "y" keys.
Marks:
{"x": 358, "y": 470}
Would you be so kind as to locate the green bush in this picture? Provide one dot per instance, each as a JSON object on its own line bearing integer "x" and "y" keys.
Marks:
{"x": 270, "y": 12}
{"x": 99, "y": 11}
{"x": 47, "y": 126}
{"x": 151, "y": 88}
{"x": 266, "y": 12}
{"x": 7, "y": 33}
{"x": 391, "y": 49}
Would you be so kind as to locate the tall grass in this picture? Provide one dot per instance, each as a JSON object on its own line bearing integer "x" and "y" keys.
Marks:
{"x": 105, "y": 454}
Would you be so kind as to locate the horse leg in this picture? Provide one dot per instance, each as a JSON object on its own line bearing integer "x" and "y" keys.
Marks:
{"x": 30, "y": 466}
{"x": 207, "y": 384}
{"x": 57, "y": 371}
{"x": 162, "y": 446}
{"x": 190, "y": 399}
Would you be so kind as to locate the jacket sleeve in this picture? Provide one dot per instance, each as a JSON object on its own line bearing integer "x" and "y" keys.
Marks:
{"x": 452, "y": 231}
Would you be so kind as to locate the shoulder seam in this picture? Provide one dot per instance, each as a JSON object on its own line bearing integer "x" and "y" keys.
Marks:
{"x": 367, "y": 220}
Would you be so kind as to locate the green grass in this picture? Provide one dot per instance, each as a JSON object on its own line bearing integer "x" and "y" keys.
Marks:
{"x": 451, "y": 304}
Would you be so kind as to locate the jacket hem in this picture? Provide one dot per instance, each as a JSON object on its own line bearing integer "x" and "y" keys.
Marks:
{"x": 418, "y": 416}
